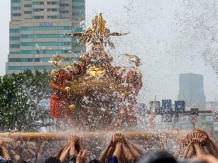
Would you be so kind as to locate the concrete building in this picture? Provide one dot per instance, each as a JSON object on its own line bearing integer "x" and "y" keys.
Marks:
{"x": 38, "y": 31}
{"x": 191, "y": 90}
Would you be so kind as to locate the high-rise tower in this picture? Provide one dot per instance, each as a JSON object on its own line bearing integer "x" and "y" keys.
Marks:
{"x": 191, "y": 90}
{"x": 38, "y": 31}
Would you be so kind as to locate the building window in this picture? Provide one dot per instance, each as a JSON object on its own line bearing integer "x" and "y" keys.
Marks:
{"x": 52, "y": 3}
{"x": 46, "y": 36}
{"x": 37, "y": 59}
{"x": 14, "y": 38}
{"x": 16, "y": 14}
{"x": 29, "y": 59}
{"x": 27, "y": 5}
{"x": 15, "y": 1}
{"x": 39, "y": 28}
{"x": 29, "y": 67}
{"x": 14, "y": 60}
{"x": 14, "y": 30}
{"x": 46, "y": 51}
{"x": 14, "y": 45}
{"x": 66, "y": 43}
{"x": 27, "y": 12}
{"x": 78, "y": 7}
{"x": 45, "y": 43}
{"x": 64, "y": 5}
{"x": 64, "y": 12}
{"x": 75, "y": 29}
{"x": 65, "y": 51}
{"x": 38, "y": 3}
{"x": 16, "y": 8}
{"x": 52, "y": 9}
{"x": 52, "y": 17}
{"x": 38, "y": 9}
{"x": 38, "y": 17}
{"x": 78, "y": 14}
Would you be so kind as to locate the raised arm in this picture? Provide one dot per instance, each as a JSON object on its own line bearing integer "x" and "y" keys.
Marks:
{"x": 127, "y": 154}
{"x": 83, "y": 146}
{"x": 65, "y": 154}
{"x": 190, "y": 152}
{"x": 4, "y": 150}
{"x": 73, "y": 140}
{"x": 118, "y": 145}
{"x": 58, "y": 153}
{"x": 196, "y": 144}
{"x": 133, "y": 151}
{"x": 138, "y": 148}
{"x": 81, "y": 158}
{"x": 213, "y": 143}
{"x": 105, "y": 151}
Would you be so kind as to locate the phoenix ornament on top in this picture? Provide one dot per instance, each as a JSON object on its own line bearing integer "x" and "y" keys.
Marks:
{"x": 98, "y": 33}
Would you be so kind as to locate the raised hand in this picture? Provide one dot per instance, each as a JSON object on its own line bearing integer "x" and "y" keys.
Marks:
{"x": 196, "y": 138}
{"x": 189, "y": 137}
{"x": 81, "y": 143}
{"x": 81, "y": 158}
{"x": 196, "y": 143}
{"x": 74, "y": 139}
{"x": 118, "y": 138}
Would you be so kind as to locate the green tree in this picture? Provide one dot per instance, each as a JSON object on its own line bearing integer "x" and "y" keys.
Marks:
{"x": 20, "y": 95}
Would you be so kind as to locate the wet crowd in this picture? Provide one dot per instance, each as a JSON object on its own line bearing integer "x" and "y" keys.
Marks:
{"x": 196, "y": 146}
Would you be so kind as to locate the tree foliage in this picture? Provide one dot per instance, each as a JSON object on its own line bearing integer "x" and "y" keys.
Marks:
{"x": 20, "y": 95}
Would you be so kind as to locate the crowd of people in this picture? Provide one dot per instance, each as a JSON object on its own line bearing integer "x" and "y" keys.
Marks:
{"x": 196, "y": 146}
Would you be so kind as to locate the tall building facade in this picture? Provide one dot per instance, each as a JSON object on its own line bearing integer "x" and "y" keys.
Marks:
{"x": 191, "y": 90}
{"x": 39, "y": 29}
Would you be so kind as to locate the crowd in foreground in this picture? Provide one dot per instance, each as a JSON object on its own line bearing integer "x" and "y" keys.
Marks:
{"x": 196, "y": 146}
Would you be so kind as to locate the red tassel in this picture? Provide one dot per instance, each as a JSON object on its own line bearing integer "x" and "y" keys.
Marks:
{"x": 55, "y": 109}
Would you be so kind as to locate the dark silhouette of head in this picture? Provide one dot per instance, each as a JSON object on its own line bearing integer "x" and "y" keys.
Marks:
{"x": 158, "y": 157}
{"x": 94, "y": 161}
{"x": 52, "y": 160}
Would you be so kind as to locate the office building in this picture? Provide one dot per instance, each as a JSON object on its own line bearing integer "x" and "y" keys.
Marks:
{"x": 191, "y": 90}
{"x": 39, "y": 30}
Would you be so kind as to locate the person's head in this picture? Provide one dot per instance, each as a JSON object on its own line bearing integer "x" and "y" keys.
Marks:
{"x": 52, "y": 160}
{"x": 94, "y": 161}
{"x": 2, "y": 160}
{"x": 158, "y": 157}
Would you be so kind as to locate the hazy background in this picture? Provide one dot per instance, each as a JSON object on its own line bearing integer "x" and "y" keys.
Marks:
{"x": 170, "y": 37}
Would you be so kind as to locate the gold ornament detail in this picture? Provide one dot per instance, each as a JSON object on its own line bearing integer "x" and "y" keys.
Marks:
{"x": 99, "y": 33}
{"x": 123, "y": 69}
{"x": 96, "y": 71}
{"x": 57, "y": 60}
{"x": 67, "y": 89}
{"x": 123, "y": 94}
{"x": 134, "y": 59}
{"x": 122, "y": 112}
{"x": 81, "y": 58}
{"x": 110, "y": 58}
{"x": 75, "y": 63}
{"x": 72, "y": 107}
